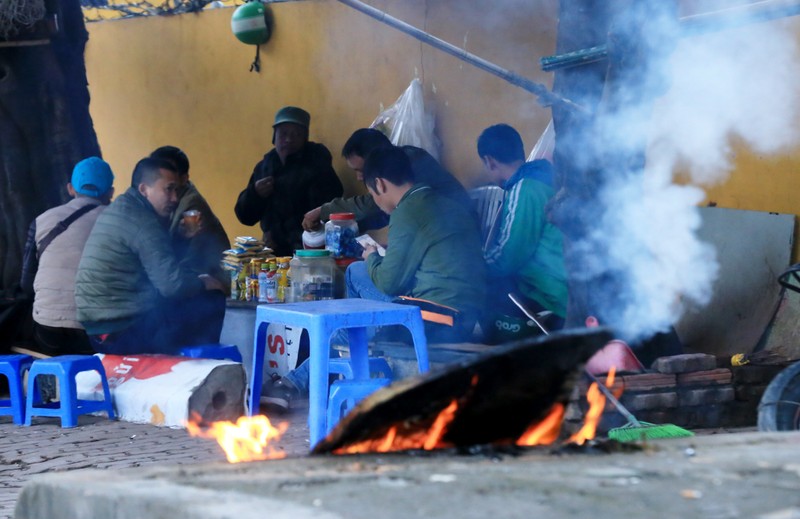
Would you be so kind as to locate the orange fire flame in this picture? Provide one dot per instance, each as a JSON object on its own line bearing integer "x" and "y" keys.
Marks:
{"x": 546, "y": 431}
{"x": 597, "y": 402}
{"x": 391, "y": 441}
{"x": 251, "y": 438}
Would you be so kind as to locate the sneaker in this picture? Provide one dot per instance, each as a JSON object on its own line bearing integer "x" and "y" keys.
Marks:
{"x": 279, "y": 395}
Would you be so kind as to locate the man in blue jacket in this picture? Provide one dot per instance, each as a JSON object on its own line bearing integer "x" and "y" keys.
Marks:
{"x": 526, "y": 255}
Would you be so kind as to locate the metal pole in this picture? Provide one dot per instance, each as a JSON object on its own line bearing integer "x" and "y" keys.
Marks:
{"x": 546, "y": 97}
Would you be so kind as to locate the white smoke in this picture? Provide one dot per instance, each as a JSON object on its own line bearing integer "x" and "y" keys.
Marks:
{"x": 737, "y": 82}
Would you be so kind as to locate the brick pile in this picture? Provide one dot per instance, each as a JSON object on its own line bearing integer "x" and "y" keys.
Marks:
{"x": 695, "y": 391}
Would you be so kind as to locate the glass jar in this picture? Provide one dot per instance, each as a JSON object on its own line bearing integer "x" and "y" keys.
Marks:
{"x": 340, "y": 236}
{"x": 312, "y": 275}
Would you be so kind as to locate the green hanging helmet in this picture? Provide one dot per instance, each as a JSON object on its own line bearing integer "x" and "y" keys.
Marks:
{"x": 249, "y": 23}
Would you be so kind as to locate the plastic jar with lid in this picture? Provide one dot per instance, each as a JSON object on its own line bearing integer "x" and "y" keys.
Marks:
{"x": 313, "y": 275}
{"x": 340, "y": 236}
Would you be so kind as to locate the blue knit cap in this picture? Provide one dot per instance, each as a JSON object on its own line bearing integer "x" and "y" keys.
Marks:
{"x": 92, "y": 177}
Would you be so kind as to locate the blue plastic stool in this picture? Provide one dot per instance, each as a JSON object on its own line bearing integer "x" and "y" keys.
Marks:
{"x": 341, "y": 366}
{"x": 65, "y": 367}
{"x": 321, "y": 319}
{"x": 14, "y": 367}
{"x": 345, "y": 394}
{"x": 213, "y": 351}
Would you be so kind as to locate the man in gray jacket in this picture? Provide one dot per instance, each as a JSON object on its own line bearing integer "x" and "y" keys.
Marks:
{"x": 132, "y": 293}
{"x": 55, "y": 242}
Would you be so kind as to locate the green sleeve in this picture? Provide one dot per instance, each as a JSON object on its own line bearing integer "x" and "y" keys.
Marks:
{"x": 363, "y": 206}
{"x": 523, "y": 220}
{"x": 394, "y": 273}
{"x": 155, "y": 252}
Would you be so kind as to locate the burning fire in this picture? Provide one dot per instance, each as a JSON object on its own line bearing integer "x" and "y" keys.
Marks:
{"x": 546, "y": 431}
{"x": 426, "y": 440}
{"x": 251, "y": 438}
{"x": 597, "y": 402}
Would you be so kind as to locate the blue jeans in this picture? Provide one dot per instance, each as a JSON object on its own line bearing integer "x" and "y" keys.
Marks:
{"x": 358, "y": 285}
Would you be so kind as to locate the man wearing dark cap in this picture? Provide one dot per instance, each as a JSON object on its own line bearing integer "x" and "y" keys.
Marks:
{"x": 57, "y": 238}
{"x": 294, "y": 177}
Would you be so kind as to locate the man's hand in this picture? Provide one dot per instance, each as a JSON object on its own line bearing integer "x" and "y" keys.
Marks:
{"x": 265, "y": 187}
{"x": 311, "y": 219}
{"x": 211, "y": 283}
{"x": 191, "y": 224}
{"x": 368, "y": 249}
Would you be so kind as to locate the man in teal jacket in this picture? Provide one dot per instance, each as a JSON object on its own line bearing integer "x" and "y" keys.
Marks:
{"x": 132, "y": 294}
{"x": 526, "y": 255}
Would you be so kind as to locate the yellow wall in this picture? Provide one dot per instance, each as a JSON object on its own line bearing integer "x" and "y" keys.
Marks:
{"x": 184, "y": 80}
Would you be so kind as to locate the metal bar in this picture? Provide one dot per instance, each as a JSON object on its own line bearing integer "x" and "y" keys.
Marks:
{"x": 763, "y": 11}
{"x": 606, "y": 392}
{"x": 546, "y": 97}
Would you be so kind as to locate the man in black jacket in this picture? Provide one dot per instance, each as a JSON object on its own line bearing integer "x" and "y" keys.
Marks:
{"x": 293, "y": 178}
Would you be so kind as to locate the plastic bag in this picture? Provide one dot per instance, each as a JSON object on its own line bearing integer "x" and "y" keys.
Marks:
{"x": 406, "y": 123}
{"x": 545, "y": 145}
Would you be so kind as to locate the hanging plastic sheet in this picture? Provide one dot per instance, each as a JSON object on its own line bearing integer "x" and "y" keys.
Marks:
{"x": 406, "y": 123}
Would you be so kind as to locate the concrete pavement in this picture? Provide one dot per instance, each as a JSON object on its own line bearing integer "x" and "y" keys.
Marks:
{"x": 107, "y": 445}
{"x": 723, "y": 476}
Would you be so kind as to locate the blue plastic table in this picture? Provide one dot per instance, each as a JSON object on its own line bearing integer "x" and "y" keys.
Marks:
{"x": 321, "y": 319}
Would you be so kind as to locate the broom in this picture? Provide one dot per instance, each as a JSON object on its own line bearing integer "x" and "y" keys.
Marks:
{"x": 634, "y": 430}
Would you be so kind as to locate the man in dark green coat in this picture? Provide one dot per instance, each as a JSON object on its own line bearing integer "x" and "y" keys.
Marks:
{"x": 293, "y": 178}
{"x": 132, "y": 294}
{"x": 434, "y": 256}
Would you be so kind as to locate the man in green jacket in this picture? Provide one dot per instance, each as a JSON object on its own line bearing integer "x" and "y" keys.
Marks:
{"x": 200, "y": 246}
{"x": 132, "y": 294}
{"x": 526, "y": 255}
{"x": 434, "y": 255}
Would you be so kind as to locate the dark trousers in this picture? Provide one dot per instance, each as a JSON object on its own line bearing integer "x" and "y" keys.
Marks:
{"x": 170, "y": 326}
{"x": 61, "y": 341}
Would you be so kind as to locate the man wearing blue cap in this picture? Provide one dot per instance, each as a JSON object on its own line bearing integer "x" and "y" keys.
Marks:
{"x": 57, "y": 238}
{"x": 295, "y": 177}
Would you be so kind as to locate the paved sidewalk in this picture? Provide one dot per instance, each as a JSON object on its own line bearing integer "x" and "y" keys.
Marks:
{"x": 103, "y": 444}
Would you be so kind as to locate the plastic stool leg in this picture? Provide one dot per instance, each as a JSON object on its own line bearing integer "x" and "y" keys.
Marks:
{"x": 417, "y": 330}
{"x": 359, "y": 353}
{"x": 345, "y": 394}
{"x": 257, "y": 372}
{"x": 69, "y": 398}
